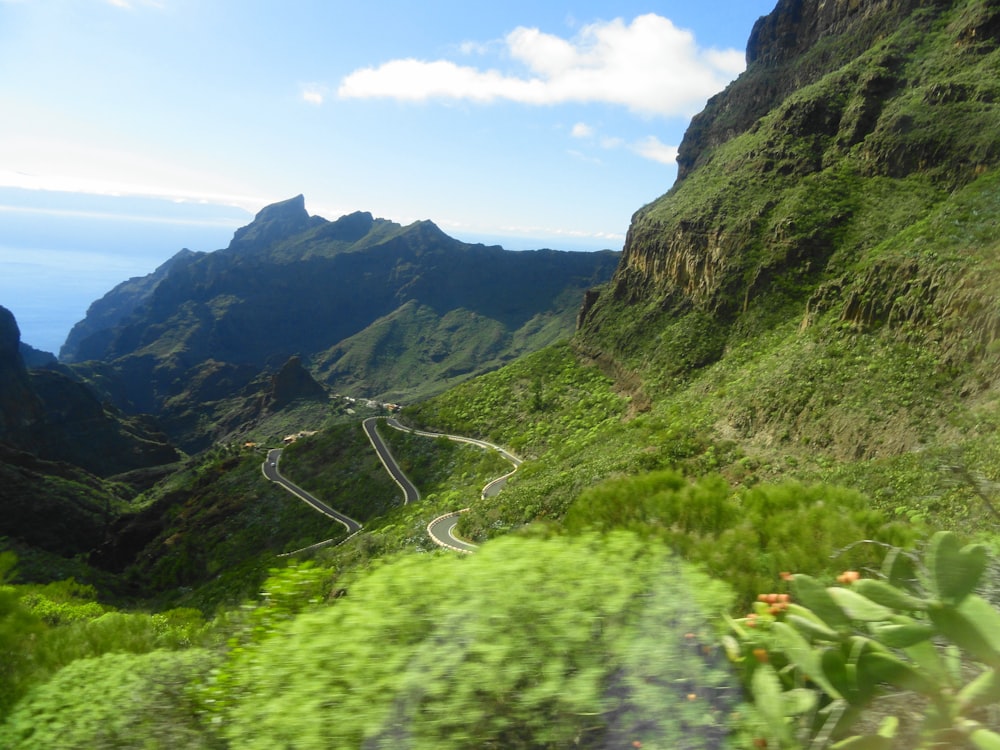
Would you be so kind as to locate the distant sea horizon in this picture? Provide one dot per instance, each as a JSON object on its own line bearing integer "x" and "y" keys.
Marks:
{"x": 61, "y": 252}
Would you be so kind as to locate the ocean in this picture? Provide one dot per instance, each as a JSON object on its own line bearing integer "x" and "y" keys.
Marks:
{"x": 55, "y": 262}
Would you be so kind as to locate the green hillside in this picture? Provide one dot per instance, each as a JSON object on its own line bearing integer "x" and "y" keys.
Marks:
{"x": 760, "y": 496}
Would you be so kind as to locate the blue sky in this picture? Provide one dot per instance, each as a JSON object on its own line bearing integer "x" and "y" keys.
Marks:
{"x": 531, "y": 124}
{"x": 543, "y": 119}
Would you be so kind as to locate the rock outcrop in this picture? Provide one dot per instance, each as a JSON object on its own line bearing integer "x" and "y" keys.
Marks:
{"x": 49, "y": 414}
{"x": 20, "y": 407}
{"x": 293, "y": 382}
{"x": 843, "y": 130}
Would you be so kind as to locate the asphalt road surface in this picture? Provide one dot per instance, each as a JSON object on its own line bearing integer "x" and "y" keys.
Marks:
{"x": 410, "y": 492}
{"x": 270, "y": 469}
{"x": 442, "y": 529}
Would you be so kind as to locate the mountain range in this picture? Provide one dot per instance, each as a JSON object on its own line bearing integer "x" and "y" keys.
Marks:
{"x": 369, "y": 308}
{"x": 792, "y": 367}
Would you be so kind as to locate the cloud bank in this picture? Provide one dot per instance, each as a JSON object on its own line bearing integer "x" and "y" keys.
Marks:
{"x": 649, "y": 66}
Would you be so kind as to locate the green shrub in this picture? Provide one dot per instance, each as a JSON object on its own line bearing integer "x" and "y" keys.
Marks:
{"x": 114, "y": 701}
{"x": 529, "y": 643}
{"x": 746, "y": 538}
{"x": 816, "y": 661}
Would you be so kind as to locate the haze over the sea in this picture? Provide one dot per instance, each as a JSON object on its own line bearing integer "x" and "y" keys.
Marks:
{"x": 60, "y": 251}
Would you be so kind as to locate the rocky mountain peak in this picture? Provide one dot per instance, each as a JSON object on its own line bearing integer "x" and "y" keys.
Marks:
{"x": 10, "y": 338}
{"x": 274, "y": 222}
{"x": 293, "y": 209}
{"x": 293, "y": 382}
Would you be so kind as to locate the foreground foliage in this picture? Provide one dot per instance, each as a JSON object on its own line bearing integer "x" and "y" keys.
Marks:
{"x": 816, "y": 660}
{"x": 743, "y": 538}
{"x": 533, "y": 642}
{"x": 529, "y": 643}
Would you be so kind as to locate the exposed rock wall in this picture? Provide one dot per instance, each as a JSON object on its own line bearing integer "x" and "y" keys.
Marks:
{"x": 837, "y": 93}
{"x": 20, "y": 408}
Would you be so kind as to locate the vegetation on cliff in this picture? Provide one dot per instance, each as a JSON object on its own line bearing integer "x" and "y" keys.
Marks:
{"x": 728, "y": 528}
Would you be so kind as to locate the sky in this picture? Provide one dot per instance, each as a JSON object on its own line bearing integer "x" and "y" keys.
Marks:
{"x": 530, "y": 124}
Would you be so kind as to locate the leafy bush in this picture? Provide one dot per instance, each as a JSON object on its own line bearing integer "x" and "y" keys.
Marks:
{"x": 815, "y": 661}
{"x": 114, "y": 701}
{"x": 529, "y": 643}
{"x": 744, "y": 538}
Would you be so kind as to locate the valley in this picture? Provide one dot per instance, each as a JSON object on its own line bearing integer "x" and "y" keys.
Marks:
{"x": 735, "y": 486}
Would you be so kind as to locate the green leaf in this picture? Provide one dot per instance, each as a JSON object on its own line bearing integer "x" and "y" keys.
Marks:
{"x": 898, "y": 635}
{"x": 812, "y": 594}
{"x": 880, "y": 666}
{"x": 810, "y": 625}
{"x": 888, "y": 727}
{"x": 858, "y": 607}
{"x": 925, "y": 656}
{"x": 732, "y": 648}
{"x": 888, "y": 595}
{"x": 954, "y": 571}
{"x": 769, "y": 700}
{"x": 899, "y": 569}
{"x": 834, "y": 667}
{"x": 864, "y": 742}
{"x": 982, "y": 691}
{"x": 799, "y": 701}
{"x": 973, "y": 627}
{"x": 984, "y": 739}
{"x": 801, "y": 653}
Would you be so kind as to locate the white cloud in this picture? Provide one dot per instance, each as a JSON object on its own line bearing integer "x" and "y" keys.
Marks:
{"x": 649, "y": 66}
{"x": 654, "y": 149}
{"x": 474, "y": 48}
{"x": 582, "y": 130}
{"x": 313, "y": 93}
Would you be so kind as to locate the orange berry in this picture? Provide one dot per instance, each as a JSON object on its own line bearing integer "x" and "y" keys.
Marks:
{"x": 760, "y": 655}
{"x": 783, "y": 598}
{"x": 785, "y": 575}
{"x": 762, "y": 597}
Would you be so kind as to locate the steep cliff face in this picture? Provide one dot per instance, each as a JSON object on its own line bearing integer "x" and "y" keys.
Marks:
{"x": 855, "y": 121}
{"x": 20, "y": 408}
{"x": 104, "y": 314}
{"x": 290, "y": 284}
{"x": 57, "y": 418}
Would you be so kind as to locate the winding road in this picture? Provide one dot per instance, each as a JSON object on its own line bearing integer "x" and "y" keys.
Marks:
{"x": 270, "y": 469}
{"x": 442, "y": 529}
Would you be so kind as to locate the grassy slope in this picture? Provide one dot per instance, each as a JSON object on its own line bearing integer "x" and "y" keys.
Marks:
{"x": 874, "y": 373}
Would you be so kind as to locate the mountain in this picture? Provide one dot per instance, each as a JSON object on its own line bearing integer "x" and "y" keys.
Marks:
{"x": 793, "y": 372}
{"x": 838, "y": 197}
{"x": 50, "y": 414}
{"x": 368, "y": 305}
{"x": 57, "y": 443}
{"x": 104, "y": 314}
